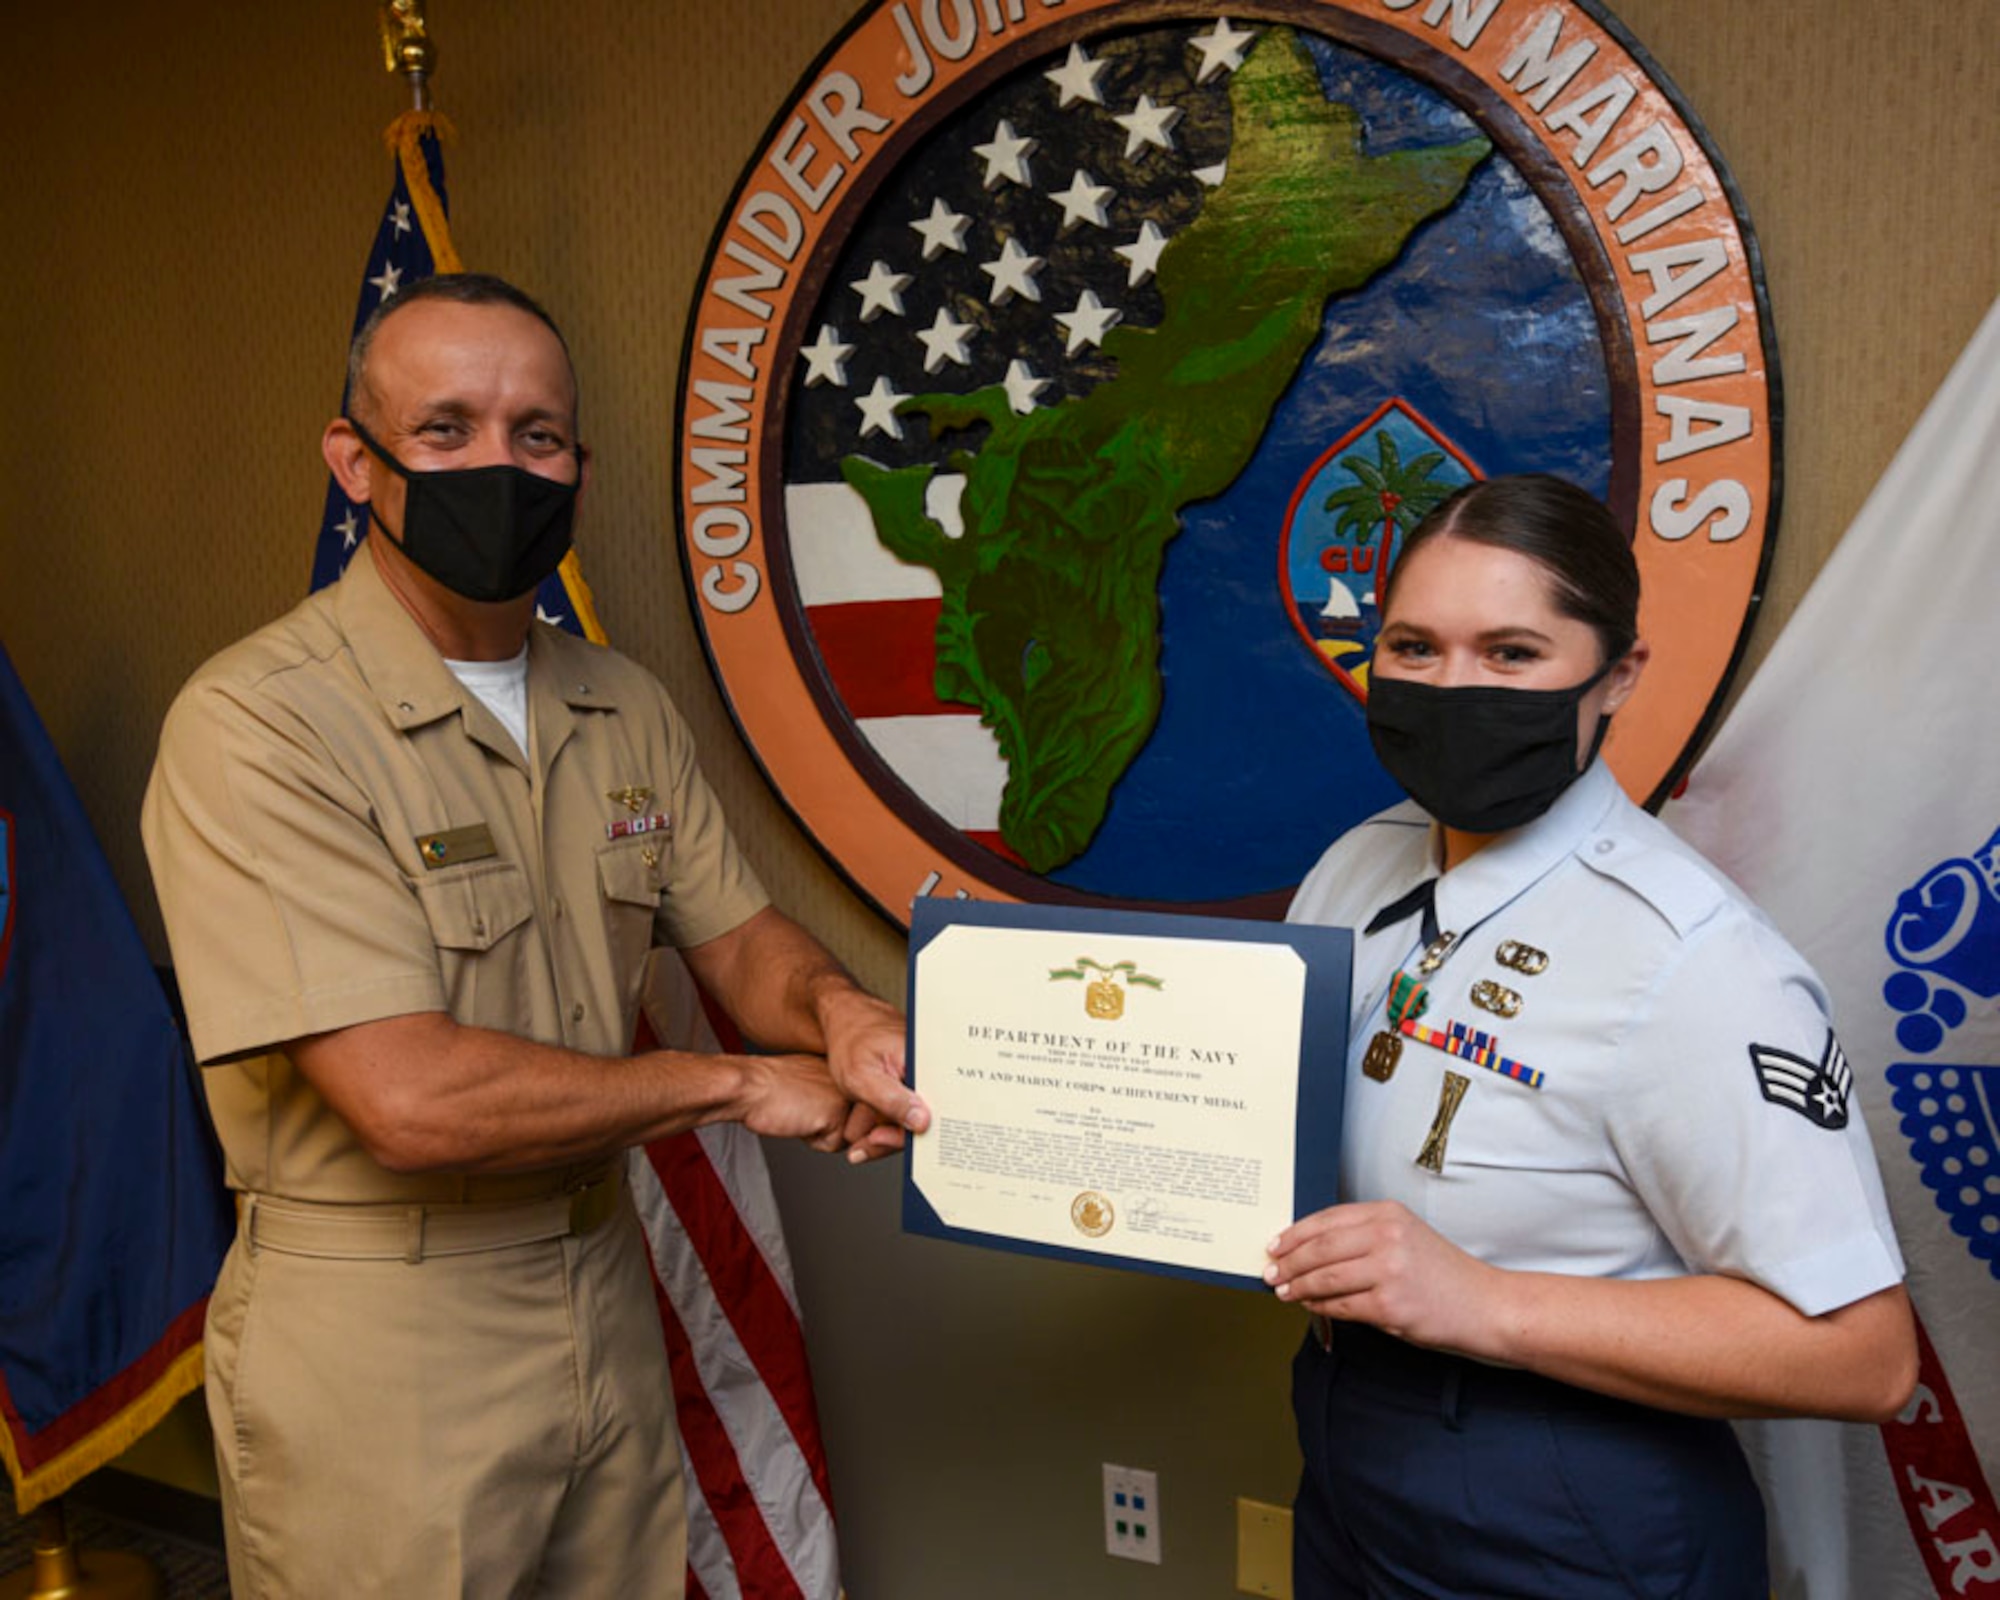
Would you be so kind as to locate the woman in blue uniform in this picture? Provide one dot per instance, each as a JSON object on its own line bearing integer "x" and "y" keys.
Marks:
{"x": 1603, "y": 1179}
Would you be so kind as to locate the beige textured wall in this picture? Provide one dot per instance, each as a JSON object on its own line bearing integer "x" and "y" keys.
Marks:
{"x": 188, "y": 198}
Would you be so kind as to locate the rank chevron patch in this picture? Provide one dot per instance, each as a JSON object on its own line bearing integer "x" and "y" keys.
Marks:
{"x": 1816, "y": 1092}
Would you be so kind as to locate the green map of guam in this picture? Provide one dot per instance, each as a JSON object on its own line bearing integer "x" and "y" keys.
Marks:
{"x": 1051, "y": 621}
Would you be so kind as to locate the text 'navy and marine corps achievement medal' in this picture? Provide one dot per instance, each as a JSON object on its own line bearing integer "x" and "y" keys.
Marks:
{"x": 1063, "y": 380}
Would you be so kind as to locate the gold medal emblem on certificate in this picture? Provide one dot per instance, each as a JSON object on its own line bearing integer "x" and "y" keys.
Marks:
{"x": 1092, "y": 1214}
{"x": 1104, "y": 995}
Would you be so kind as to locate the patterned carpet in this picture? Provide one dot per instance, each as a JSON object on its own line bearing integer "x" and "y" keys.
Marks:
{"x": 193, "y": 1570}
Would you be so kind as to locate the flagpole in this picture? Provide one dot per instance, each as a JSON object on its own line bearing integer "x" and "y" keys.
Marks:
{"x": 407, "y": 48}
{"x": 60, "y": 1571}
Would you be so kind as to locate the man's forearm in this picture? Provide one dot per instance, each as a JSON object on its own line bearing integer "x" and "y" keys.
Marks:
{"x": 775, "y": 980}
{"x": 425, "y": 1094}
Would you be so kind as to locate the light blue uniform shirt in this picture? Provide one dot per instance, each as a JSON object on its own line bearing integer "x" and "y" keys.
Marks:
{"x": 1695, "y": 1115}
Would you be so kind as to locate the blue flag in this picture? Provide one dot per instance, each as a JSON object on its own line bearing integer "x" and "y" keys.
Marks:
{"x": 113, "y": 1215}
{"x": 413, "y": 241}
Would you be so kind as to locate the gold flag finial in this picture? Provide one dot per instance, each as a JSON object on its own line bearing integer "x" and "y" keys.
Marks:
{"x": 407, "y": 46}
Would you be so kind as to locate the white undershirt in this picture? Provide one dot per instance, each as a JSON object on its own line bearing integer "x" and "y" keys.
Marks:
{"x": 503, "y": 687}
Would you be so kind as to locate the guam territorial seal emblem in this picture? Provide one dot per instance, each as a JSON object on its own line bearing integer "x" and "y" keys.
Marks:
{"x": 1064, "y": 378}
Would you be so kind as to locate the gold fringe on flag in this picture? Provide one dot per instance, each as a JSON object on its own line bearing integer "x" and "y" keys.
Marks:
{"x": 107, "y": 1442}
{"x": 404, "y": 136}
{"x": 580, "y": 597}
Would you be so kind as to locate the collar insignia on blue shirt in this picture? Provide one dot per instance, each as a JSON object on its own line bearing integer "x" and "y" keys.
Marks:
{"x": 1817, "y": 1092}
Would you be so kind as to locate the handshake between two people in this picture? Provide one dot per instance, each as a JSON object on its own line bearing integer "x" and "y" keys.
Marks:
{"x": 853, "y": 1098}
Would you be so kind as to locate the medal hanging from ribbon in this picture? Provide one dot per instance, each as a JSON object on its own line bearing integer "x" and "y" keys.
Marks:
{"x": 1407, "y": 999}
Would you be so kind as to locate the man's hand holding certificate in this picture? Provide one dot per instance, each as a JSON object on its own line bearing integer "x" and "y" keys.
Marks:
{"x": 1141, "y": 1090}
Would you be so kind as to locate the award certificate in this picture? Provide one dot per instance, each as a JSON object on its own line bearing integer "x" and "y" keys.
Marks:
{"x": 1136, "y": 1089}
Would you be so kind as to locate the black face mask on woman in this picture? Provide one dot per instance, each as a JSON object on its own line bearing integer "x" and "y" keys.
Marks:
{"x": 1480, "y": 759}
{"x": 487, "y": 533}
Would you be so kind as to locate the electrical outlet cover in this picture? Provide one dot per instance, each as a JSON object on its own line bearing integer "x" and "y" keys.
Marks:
{"x": 1131, "y": 1513}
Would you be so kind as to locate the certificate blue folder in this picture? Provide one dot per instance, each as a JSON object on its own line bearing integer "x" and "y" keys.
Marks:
{"x": 1327, "y": 954}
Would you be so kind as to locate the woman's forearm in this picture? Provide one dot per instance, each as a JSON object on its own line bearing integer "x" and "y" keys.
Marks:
{"x": 1711, "y": 1346}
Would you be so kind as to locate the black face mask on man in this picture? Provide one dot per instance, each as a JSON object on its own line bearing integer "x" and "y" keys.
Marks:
{"x": 1480, "y": 759}
{"x": 486, "y": 533}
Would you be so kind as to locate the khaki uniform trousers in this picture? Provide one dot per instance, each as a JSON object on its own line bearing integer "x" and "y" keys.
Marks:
{"x": 399, "y": 1410}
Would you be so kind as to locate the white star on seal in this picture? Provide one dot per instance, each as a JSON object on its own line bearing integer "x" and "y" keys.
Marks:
{"x": 1088, "y": 323}
{"x": 1143, "y": 253}
{"x": 826, "y": 358}
{"x": 400, "y": 218}
{"x": 348, "y": 529}
{"x": 1082, "y": 201}
{"x": 1221, "y": 51}
{"x": 1213, "y": 176}
{"x": 1147, "y": 124}
{"x": 944, "y": 229}
{"x": 878, "y": 410}
{"x": 882, "y": 290}
{"x": 1006, "y": 157}
{"x": 945, "y": 340}
{"x": 1013, "y": 272}
{"x": 1022, "y": 386}
{"x": 1077, "y": 78}
{"x": 390, "y": 280}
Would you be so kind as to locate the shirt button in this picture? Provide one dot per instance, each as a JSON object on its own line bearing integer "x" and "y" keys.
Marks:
{"x": 1604, "y": 847}
{"x": 555, "y": 909}
{"x": 576, "y": 1012}
{"x": 479, "y": 926}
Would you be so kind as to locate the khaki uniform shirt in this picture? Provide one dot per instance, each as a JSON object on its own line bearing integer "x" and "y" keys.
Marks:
{"x": 339, "y": 832}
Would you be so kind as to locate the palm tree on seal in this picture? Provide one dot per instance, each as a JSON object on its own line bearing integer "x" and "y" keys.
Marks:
{"x": 1387, "y": 493}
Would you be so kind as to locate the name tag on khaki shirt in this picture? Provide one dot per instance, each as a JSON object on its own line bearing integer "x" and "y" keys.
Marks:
{"x": 455, "y": 846}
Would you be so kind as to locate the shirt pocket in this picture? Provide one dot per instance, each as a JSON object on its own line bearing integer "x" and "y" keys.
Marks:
{"x": 632, "y": 875}
{"x": 479, "y": 917}
{"x": 473, "y": 909}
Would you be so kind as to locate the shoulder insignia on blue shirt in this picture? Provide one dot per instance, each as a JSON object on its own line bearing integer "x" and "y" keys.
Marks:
{"x": 1816, "y": 1092}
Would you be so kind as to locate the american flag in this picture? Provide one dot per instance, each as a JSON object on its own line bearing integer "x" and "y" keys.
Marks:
{"x": 1013, "y": 240}
{"x": 760, "y": 1518}
{"x": 412, "y": 242}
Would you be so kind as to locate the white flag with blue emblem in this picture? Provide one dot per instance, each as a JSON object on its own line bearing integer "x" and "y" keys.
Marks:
{"x": 1855, "y": 794}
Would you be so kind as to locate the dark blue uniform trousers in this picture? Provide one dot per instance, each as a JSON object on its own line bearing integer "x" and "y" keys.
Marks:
{"x": 1430, "y": 1475}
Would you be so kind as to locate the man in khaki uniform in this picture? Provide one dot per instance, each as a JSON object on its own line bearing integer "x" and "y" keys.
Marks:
{"x": 412, "y": 849}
